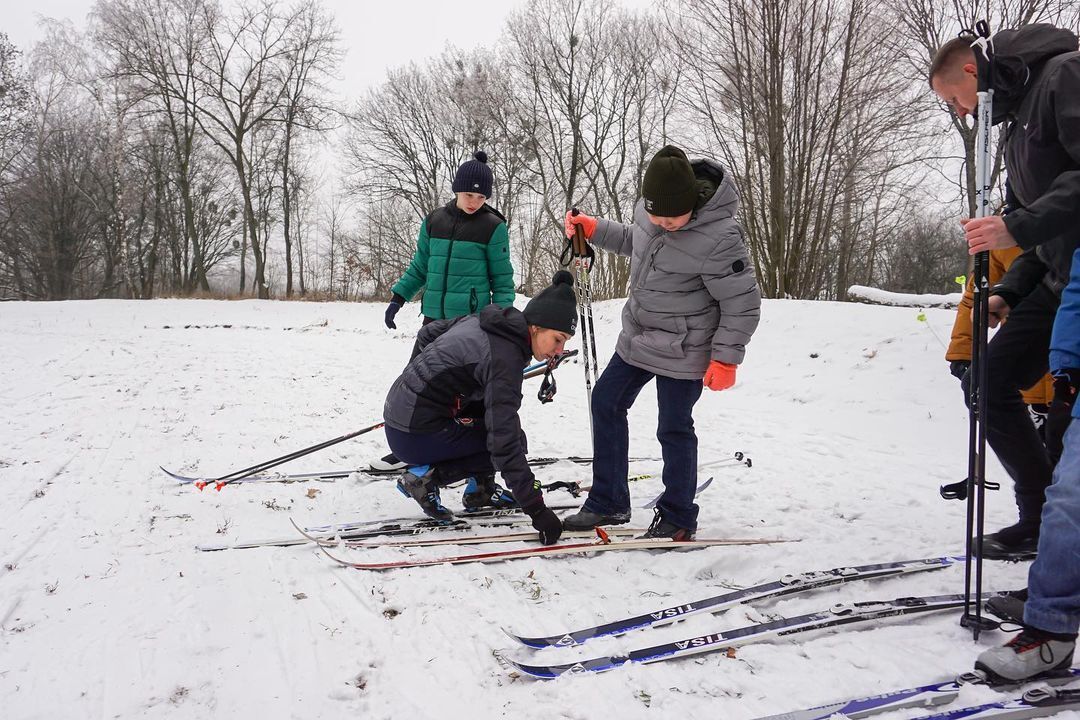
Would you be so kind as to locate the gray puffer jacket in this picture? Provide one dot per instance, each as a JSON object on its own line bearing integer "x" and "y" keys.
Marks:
{"x": 693, "y": 296}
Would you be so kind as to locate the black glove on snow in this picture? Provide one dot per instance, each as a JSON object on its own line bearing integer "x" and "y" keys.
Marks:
{"x": 959, "y": 368}
{"x": 547, "y": 523}
{"x": 1066, "y": 382}
{"x": 392, "y": 309}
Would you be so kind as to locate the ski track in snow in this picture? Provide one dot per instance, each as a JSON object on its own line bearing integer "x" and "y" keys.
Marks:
{"x": 106, "y": 610}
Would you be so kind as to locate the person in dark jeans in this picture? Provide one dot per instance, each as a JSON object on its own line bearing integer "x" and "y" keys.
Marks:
{"x": 1037, "y": 91}
{"x": 693, "y": 305}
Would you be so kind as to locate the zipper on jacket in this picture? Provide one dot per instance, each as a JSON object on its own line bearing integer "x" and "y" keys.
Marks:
{"x": 446, "y": 267}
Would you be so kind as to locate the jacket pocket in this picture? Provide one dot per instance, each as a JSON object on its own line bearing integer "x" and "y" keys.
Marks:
{"x": 473, "y": 303}
{"x": 655, "y": 344}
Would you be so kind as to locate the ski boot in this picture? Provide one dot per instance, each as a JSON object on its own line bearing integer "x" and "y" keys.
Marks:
{"x": 1009, "y": 607}
{"x": 1028, "y": 656}
{"x": 419, "y": 483}
{"x": 387, "y": 464}
{"x": 482, "y": 492}
{"x": 1016, "y": 542}
{"x": 662, "y": 528}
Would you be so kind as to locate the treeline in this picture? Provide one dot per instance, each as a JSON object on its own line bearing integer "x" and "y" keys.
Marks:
{"x": 176, "y": 146}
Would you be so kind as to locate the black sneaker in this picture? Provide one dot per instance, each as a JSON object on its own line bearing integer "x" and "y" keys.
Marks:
{"x": 661, "y": 528}
{"x": 587, "y": 520}
{"x": 419, "y": 484}
{"x": 483, "y": 492}
{"x": 1030, "y": 655}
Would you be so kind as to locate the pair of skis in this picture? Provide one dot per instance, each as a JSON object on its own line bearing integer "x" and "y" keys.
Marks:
{"x": 1037, "y": 702}
{"x": 603, "y": 543}
{"x": 843, "y": 614}
{"x": 408, "y": 526}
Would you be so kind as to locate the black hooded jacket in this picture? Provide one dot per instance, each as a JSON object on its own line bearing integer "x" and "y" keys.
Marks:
{"x": 1037, "y": 90}
{"x": 469, "y": 361}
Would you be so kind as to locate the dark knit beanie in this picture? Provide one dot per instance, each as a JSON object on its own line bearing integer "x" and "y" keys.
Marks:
{"x": 669, "y": 187}
{"x": 555, "y": 307}
{"x": 474, "y": 176}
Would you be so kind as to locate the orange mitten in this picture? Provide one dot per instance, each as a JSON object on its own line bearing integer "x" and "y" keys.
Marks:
{"x": 587, "y": 223}
{"x": 720, "y": 375}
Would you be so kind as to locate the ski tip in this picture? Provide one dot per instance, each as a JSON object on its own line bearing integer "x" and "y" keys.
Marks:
{"x": 530, "y": 642}
{"x": 540, "y": 672}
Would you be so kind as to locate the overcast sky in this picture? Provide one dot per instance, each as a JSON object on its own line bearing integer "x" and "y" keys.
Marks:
{"x": 375, "y": 35}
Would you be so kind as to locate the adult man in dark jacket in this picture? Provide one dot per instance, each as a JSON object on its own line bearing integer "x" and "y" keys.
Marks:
{"x": 470, "y": 362}
{"x": 1037, "y": 91}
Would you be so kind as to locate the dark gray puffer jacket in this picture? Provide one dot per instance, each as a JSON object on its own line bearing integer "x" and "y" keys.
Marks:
{"x": 693, "y": 296}
{"x": 468, "y": 361}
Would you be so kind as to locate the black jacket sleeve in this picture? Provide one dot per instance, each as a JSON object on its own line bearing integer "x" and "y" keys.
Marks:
{"x": 502, "y": 401}
{"x": 1023, "y": 276}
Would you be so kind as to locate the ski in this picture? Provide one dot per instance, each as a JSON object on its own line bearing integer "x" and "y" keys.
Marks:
{"x": 1038, "y": 702}
{"x": 787, "y": 585}
{"x": 602, "y": 544}
{"x": 389, "y": 529}
{"x": 839, "y": 615}
{"x": 925, "y": 695}
{"x": 332, "y": 475}
{"x": 479, "y": 539}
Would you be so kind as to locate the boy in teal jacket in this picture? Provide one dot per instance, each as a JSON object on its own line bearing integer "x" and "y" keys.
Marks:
{"x": 462, "y": 259}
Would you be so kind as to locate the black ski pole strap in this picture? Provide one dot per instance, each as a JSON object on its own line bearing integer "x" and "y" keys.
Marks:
{"x": 573, "y": 488}
{"x": 984, "y": 55}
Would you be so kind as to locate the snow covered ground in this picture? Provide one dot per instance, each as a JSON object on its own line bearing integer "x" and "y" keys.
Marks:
{"x": 106, "y": 610}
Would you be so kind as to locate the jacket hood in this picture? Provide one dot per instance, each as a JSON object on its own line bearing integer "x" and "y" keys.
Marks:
{"x": 508, "y": 323}
{"x": 719, "y": 199}
{"x": 1019, "y": 56}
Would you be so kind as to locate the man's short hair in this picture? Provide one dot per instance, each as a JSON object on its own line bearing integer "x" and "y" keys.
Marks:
{"x": 949, "y": 53}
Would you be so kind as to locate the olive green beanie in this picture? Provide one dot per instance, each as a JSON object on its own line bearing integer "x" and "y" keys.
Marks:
{"x": 669, "y": 188}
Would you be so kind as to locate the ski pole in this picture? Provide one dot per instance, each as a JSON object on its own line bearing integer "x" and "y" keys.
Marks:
{"x": 246, "y": 472}
{"x": 583, "y": 257}
{"x": 979, "y": 375}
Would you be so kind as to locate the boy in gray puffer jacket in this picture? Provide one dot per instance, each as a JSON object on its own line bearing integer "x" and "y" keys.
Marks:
{"x": 693, "y": 305}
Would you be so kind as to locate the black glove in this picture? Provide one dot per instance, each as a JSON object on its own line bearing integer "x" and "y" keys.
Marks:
{"x": 547, "y": 523}
{"x": 391, "y": 310}
{"x": 1066, "y": 382}
{"x": 959, "y": 368}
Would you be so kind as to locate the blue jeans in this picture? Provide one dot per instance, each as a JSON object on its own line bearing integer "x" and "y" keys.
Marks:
{"x": 613, "y": 395}
{"x": 1054, "y": 579}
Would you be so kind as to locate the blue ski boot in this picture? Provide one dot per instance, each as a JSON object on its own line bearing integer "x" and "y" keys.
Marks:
{"x": 418, "y": 482}
{"x": 482, "y": 493}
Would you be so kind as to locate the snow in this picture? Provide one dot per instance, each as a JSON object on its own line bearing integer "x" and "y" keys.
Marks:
{"x": 863, "y": 293}
{"x": 106, "y": 610}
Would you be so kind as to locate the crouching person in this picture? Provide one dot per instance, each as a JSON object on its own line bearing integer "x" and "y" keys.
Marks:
{"x": 475, "y": 361}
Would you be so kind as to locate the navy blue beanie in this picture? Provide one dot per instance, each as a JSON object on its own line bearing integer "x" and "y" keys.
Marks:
{"x": 474, "y": 176}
